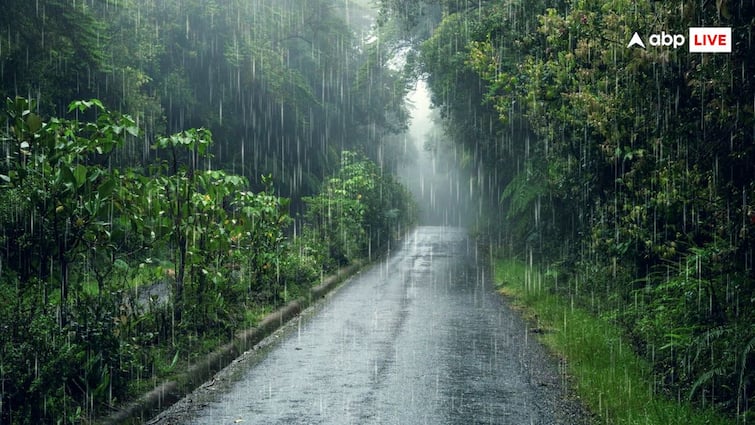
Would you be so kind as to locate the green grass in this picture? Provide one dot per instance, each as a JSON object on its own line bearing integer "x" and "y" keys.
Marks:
{"x": 614, "y": 382}
{"x": 254, "y": 314}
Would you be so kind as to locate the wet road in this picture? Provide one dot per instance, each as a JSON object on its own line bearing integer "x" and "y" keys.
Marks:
{"x": 420, "y": 338}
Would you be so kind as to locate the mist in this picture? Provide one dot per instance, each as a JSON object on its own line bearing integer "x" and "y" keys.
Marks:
{"x": 432, "y": 172}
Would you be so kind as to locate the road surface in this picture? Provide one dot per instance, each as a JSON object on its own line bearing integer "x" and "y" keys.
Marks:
{"x": 419, "y": 338}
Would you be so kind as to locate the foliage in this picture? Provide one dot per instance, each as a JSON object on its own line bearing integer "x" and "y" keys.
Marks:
{"x": 358, "y": 210}
{"x": 252, "y": 72}
{"x": 613, "y": 380}
{"x": 58, "y": 173}
{"x": 697, "y": 331}
{"x": 118, "y": 275}
{"x": 50, "y": 51}
{"x": 125, "y": 251}
{"x": 632, "y": 169}
{"x": 59, "y": 230}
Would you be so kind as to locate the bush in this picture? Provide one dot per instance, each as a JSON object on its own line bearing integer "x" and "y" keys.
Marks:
{"x": 358, "y": 211}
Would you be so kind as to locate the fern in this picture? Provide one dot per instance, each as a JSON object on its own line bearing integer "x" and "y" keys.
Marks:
{"x": 705, "y": 377}
{"x": 522, "y": 191}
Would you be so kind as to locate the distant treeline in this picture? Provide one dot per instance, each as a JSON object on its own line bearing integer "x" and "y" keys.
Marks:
{"x": 283, "y": 85}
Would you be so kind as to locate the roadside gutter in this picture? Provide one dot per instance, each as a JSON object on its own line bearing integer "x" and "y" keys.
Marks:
{"x": 169, "y": 392}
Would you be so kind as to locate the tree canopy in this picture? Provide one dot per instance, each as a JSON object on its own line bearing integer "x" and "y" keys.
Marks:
{"x": 141, "y": 227}
{"x": 629, "y": 169}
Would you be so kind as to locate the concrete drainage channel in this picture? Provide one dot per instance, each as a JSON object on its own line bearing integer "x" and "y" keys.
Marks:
{"x": 169, "y": 392}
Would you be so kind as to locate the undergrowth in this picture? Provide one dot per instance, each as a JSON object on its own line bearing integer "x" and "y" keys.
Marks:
{"x": 616, "y": 384}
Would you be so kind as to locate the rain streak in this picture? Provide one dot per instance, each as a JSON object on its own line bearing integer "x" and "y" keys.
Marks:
{"x": 377, "y": 212}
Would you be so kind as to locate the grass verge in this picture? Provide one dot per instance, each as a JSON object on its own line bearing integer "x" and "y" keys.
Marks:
{"x": 615, "y": 383}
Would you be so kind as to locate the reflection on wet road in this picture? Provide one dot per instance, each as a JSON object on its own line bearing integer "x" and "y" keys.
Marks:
{"x": 420, "y": 338}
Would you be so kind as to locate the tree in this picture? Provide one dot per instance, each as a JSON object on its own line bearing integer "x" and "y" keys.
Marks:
{"x": 50, "y": 50}
{"x": 62, "y": 168}
{"x": 358, "y": 210}
{"x": 629, "y": 163}
{"x": 59, "y": 227}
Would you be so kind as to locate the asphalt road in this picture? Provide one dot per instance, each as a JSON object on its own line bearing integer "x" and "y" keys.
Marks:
{"x": 419, "y": 338}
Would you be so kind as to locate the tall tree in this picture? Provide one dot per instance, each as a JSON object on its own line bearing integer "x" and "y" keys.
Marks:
{"x": 50, "y": 50}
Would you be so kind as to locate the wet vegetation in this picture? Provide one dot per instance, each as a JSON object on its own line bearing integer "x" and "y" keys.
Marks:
{"x": 240, "y": 150}
{"x": 595, "y": 356}
{"x": 216, "y": 178}
{"x": 628, "y": 171}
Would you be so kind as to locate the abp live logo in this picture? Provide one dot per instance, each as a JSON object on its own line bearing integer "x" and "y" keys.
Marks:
{"x": 709, "y": 40}
{"x": 701, "y": 40}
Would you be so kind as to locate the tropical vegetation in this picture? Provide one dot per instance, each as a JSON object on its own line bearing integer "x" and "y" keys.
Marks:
{"x": 628, "y": 170}
{"x": 227, "y": 156}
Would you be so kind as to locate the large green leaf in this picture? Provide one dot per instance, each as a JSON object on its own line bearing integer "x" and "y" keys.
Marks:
{"x": 106, "y": 188}
{"x": 67, "y": 177}
{"x": 80, "y": 174}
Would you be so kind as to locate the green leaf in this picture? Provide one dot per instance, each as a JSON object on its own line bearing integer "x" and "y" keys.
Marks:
{"x": 120, "y": 265}
{"x": 97, "y": 103}
{"x": 101, "y": 388}
{"x": 132, "y": 130}
{"x": 34, "y": 122}
{"x": 80, "y": 174}
{"x": 67, "y": 176}
{"x": 175, "y": 360}
{"x": 106, "y": 188}
{"x": 81, "y": 105}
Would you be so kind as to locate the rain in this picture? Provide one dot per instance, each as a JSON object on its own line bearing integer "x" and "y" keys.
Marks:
{"x": 377, "y": 211}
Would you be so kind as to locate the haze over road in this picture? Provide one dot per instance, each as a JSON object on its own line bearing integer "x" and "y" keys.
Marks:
{"x": 419, "y": 338}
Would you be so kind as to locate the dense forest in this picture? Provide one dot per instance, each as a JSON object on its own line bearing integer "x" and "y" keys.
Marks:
{"x": 173, "y": 170}
{"x": 627, "y": 172}
{"x": 278, "y": 83}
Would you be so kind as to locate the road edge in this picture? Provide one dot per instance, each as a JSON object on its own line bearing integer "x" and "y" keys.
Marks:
{"x": 169, "y": 392}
